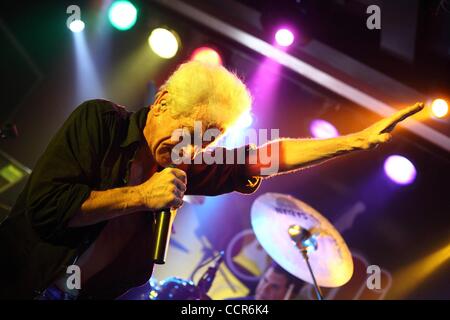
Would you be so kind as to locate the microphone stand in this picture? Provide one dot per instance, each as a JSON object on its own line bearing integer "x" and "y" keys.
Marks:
{"x": 205, "y": 282}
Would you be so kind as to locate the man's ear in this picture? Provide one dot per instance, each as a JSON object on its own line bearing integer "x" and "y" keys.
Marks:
{"x": 158, "y": 109}
{"x": 160, "y": 105}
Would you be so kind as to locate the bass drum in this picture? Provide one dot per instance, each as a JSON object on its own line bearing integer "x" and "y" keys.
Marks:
{"x": 176, "y": 289}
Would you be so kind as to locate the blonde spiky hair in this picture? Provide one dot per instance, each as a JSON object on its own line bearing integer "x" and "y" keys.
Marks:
{"x": 204, "y": 91}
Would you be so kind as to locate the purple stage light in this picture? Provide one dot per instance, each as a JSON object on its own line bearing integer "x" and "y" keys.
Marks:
{"x": 400, "y": 170}
{"x": 284, "y": 37}
{"x": 323, "y": 129}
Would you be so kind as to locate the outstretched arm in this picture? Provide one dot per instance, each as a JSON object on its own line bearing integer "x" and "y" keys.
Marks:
{"x": 295, "y": 154}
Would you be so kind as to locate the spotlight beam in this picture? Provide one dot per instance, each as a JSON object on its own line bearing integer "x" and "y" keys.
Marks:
{"x": 412, "y": 276}
{"x": 305, "y": 69}
{"x": 88, "y": 82}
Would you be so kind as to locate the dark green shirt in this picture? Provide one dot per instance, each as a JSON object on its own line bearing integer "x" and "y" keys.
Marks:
{"x": 93, "y": 150}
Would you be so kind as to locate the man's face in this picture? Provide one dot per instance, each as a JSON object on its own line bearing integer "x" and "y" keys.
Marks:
{"x": 164, "y": 132}
{"x": 272, "y": 286}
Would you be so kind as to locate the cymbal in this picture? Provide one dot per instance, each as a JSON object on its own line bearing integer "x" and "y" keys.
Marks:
{"x": 277, "y": 219}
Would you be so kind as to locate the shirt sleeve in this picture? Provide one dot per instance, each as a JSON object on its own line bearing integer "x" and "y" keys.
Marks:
{"x": 224, "y": 177}
{"x": 62, "y": 178}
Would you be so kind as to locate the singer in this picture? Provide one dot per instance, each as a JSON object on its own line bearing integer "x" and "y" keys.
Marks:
{"x": 93, "y": 195}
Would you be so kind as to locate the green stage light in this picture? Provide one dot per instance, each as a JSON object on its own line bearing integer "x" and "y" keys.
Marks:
{"x": 122, "y": 15}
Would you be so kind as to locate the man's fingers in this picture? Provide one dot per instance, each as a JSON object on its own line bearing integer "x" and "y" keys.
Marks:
{"x": 407, "y": 112}
{"x": 384, "y": 137}
{"x": 401, "y": 115}
{"x": 176, "y": 203}
{"x": 178, "y": 194}
{"x": 180, "y": 174}
{"x": 180, "y": 185}
{"x": 376, "y": 140}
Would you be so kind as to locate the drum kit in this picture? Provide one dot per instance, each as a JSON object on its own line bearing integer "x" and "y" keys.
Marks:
{"x": 295, "y": 235}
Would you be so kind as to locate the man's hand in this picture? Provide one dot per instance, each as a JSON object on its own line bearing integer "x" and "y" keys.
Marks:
{"x": 380, "y": 131}
{"x": 163, "y": 190}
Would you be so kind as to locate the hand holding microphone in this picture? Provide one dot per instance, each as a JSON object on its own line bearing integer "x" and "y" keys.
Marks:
{"x": 163, "y": 190}
{"x": 163, "y": 193}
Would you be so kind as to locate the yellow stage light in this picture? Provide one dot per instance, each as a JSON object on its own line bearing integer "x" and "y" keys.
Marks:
{"x": 439, "y": 108}
{"x": 163, "y": 42}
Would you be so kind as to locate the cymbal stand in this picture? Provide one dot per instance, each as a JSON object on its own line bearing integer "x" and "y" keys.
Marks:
{"x": 305, "y": 241}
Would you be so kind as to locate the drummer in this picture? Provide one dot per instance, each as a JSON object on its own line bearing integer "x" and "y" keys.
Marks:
{"x": 276, "y": 284}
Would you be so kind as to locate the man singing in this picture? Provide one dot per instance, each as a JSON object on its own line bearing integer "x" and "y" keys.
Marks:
{"x": 91, "y": 198}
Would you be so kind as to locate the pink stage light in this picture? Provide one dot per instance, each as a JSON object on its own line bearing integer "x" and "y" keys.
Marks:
{"x": 323, "y": 129}
{"x": 284, "y": 37}
{"x": 400, "y": 170}
{"x": 207, "y": 55}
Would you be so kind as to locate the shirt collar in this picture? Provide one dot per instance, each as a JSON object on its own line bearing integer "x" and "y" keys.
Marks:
{"x": 136, "y": 127}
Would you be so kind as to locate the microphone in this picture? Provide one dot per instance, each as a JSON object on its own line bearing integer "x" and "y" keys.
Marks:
{"x": 207, "y": 279}
{"x": 161, "y": 233}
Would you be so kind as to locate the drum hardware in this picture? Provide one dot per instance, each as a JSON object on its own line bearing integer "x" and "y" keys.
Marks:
{"x": 286, "y": 226}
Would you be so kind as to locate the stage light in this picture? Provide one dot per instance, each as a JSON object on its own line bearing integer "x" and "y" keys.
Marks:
{"x": 439, "y": 108}
{"x": 122, "y": 15}
{"x": 235, "y": 135}
{"x": 400, "y": 170}
{"x": 244, "y": 121}
{"x": 207, "y": 55}
{"x": 286, "y": 22}
{"x": 76, "y": 26}
{"x": 323, "y": 129}
{"x": 284, "y": 37}
{"x": 410, "y": 277}
{"x": 163, "y": 42}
